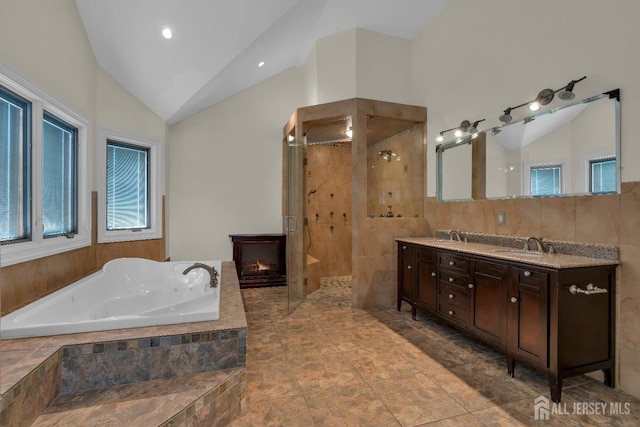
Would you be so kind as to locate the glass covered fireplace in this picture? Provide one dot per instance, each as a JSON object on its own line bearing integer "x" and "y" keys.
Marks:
{"x": 260, "y": 259}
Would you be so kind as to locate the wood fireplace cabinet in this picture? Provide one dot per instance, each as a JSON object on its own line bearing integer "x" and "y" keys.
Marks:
{"x": 260, "y": 259}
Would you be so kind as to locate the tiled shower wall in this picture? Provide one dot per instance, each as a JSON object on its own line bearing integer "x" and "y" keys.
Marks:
{"x": 328, "y": 236}
{"x": 398, "y": 182}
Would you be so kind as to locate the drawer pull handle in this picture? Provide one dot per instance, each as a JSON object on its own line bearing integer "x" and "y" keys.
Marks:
{"x": 470, "y": 285}
{"x": 451, "y": 312}
{"x": 514, "y": 300}
{"x": 409, "y": 267}
{"x": 451, "y": 296}
{"x": 433, "y": 274}
{"x": 451, "y": 279}
{"x": 590, "y": 290}
{"x": 527, "y": 273}
{"x": 452, "y": 263}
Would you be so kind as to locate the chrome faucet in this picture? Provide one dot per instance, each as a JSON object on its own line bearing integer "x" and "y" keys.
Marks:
{"x": 213, "y": 274}
{"x": 537, "y": 241}
{"x": 455, "y": 235}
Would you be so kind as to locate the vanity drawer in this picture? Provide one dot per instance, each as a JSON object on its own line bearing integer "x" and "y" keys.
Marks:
{"x": 531, "y": 277}
{"x": 453, "y": 262}
{"x": 453, "y": 312}
{"x": 453, "y": 277}
{"x": 454, "y": 294}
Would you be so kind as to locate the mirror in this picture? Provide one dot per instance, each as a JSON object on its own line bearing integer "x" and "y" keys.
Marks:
{"x": 568, "y": 150}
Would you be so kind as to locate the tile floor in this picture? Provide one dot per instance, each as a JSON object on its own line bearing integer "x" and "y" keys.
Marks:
{"x": 327, "y": 365}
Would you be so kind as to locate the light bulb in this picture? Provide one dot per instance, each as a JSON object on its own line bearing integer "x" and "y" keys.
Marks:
{"x": 440, "y": 138}
{"x": 534, "y": 106}
{"x": 167, "y": 33}
{"x": 458, "y": 133}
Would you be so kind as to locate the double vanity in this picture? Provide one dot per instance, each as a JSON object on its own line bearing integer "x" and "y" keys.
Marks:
{"x": 553, "y": 311}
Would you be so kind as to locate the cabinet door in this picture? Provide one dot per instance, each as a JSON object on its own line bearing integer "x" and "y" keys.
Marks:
{"x": 488, "y": 308}
{"x": 527, "y": 316}
{"x": 426, "y": 274}
{"x": 406, "y": 259}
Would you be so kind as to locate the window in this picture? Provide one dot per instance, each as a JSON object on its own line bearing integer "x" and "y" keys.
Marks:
{"x": 602, "y": 176}
{"x": 545, "y": 180}
{"x": 15, "y": 167}
{"x": 59, "y": 177}
{"x": 127, "y": 186}
{"x": 44, "y": 194}
{"x": 548, "y": 178}
{"x": 130, "y": 187}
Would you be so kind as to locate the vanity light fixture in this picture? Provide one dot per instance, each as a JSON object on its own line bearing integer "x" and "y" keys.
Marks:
{"x": 567, "y": 94}
{"x": 545, "y": 96}
{"x": 465, "y": 126}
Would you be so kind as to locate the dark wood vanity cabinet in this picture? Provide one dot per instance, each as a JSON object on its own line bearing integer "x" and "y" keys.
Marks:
{"x": 426, "y": 292}
{"x": 406, "y": 263}
{"x": 561, "y": 321}
{"x": 488, "y": 318}
{"x": 418, "y": 278}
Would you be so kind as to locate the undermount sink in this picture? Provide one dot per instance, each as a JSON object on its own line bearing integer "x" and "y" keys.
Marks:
{"x": 518, "y": 252}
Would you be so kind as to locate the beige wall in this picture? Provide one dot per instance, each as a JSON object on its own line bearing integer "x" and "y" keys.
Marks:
{"x": 512, "y": 50}
{"x": 45, "y": 43}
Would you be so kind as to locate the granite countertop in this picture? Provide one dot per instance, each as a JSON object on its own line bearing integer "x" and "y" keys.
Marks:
{"x": 557, "y": 261}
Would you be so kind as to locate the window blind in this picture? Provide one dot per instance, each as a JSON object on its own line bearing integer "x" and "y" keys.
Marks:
{"x": 127, "y": 186}
{"x": 15, "y": 167}
{"x": 603, "y": 175}
{"x": 545, "y": 181}
{"x": 59, "y": 177}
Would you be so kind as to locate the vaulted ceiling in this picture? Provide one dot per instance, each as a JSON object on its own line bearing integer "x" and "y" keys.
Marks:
{"x": 217, "y": 44}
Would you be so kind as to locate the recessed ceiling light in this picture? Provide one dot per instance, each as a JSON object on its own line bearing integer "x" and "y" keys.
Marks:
{"x": 167, "y": 33}
{"x": 260, "y": 64}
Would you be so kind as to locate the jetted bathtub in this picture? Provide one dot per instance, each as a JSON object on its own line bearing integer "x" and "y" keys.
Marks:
{"x": 126, "y": 293}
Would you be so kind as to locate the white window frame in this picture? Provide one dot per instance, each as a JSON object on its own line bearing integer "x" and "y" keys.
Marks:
{"x": 156, "y": 188}
{"x": 585, "y": 166}
{"x": 37, "y": 246}
{"x": 565, "y": 175}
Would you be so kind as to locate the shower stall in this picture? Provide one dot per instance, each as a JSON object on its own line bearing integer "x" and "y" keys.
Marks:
{"x": 353, "y": 173}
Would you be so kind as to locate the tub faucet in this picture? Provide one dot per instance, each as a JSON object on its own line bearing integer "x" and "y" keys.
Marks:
{"x": 213, "y": 274}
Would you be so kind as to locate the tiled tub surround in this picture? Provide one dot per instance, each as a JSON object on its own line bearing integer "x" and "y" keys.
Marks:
{"x": 35, "y": 370}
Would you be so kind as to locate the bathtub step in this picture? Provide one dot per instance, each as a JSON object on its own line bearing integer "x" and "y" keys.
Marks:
{"x": 212, "y": 397}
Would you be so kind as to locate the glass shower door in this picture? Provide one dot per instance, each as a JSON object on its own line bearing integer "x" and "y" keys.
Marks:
{"x": 293, "y": 223}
